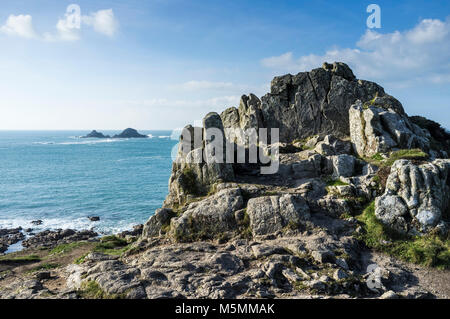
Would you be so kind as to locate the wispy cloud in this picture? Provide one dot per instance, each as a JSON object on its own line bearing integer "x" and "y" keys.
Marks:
{"x": 402, "y": 58}
{"x": 20, "y": 25}
{"x": 102, "y": 21}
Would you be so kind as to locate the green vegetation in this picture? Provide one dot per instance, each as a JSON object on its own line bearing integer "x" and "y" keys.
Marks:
{"x": 412, "y": 154}
{"x": 66, "y": 248}
{"x": 45, "y": 267}
{"x": 384, "y": 164}
{"x": 336, "y": 182}
{"x": 19, "y": 259}
{"x": 80, "y": 259}
{"x": 270, "y": 194}
{"x": 429, "y": 250}
{"x": 408, "y": 154}
{"x": 378, "y": 157}
{"x": 91, "y": 290}
{"x": 188, "y": 181}
{"x": 112, "y": 245}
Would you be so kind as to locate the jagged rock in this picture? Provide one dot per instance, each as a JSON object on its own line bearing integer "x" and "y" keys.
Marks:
{"x": 322, "y": 256}
{"x": 50, "y": 238}
{"x": 389, "y": 295}
{"x": 417, "y": 196}
{"x": 95, "y": 134}
{"x": 130, "y": 133}
{"x": 380, "y": 128}
{"x": 333, "y": 146}
{"x": 332, "y": 206}
{"x": 198, "y": 166}
{"x": 440, "y": 138}
{"x": 152, "y": 227}
{"x": 343, "y": 165}
{"x": 314, "y": 103}
{"x": 247, "y": 116}
{"x": 209, "y": 217}
{"x": 269, "y": 214}
{"x": 340, "y": 274}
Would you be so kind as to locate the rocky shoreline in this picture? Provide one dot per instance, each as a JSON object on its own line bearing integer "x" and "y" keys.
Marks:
{"x": 359, "y": 208}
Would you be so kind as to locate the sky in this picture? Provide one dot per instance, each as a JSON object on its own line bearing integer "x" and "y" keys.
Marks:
{"x": 161, "y": 64}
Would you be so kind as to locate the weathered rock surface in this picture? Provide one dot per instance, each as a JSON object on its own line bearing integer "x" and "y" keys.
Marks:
{"x": 417, "y": 197}
{"x": 269, "y": 214}
{"x": 50, "y": 238}
{"x": 315, "y": 102}
{"x": 331, "y": 146}
{"x": 198, "y": 166}
{"x": 9, "y": 237}
{"x": 381, "y": 126}
{"x": 209, "y": 217}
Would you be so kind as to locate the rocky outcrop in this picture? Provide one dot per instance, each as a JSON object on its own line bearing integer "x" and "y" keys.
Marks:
{"x": 330, "y": 146}
{"x": 49, "y": 238}
{"x": 198, "y": 167}
{"x": 315, "y": 102}
{"x": 95, "y": 134}
{"x": 208, "y": 218}
{"x": 9, "y": 237}
{"x": 417, "y": 197}
{"x": 130, "y": 133}
{"x": 269, "y": 214}
{"x": 381, "y": 126}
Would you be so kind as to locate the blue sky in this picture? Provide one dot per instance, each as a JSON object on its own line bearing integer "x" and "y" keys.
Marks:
{"x": 164, "y": 63}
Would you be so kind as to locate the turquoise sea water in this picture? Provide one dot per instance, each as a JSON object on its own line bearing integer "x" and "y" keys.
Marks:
{"x": 61, "y": 179}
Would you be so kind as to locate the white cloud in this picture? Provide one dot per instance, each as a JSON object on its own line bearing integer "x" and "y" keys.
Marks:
{"x": 20, "y": 25}
{"x": 103, "y": 21}
{"x": 66, "y": 31}
{"x": 400, "y": 58}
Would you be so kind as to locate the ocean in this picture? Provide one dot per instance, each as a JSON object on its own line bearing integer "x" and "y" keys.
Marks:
{"x": 59, "y": 178}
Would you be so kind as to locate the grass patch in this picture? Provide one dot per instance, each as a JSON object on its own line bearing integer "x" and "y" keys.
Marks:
{"x": 188, "y": 181}
{"x": 336, "y": 182}
{"x": 91, "y": 290}
{"x": 66, "y": 248}
{"x": 18, "y": 259}
{"x": 45, "y": 267}
{"x": 270, "y": 194}
{"x": 112, "y": 245}
{"x": 412, "y": 154}
{"x": 80, "y": 260}
{"x": 429, "y": 250}
{"x": 407, "y": 154}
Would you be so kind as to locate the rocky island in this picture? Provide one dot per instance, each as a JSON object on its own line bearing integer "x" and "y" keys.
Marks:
{"x": 127, "y": 133}
{"x": 359, "y": 208}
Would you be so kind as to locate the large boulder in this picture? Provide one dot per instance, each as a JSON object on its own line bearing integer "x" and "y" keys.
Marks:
{"x": 209, "y": 217}
{"x": 417, "y": 197}
{"x": 381, "y": 126}
{"x": 269, "y": 214}
{"x": 332, "y": 146}
{"x": 153, "y": 226}
{"x": 199, "y": 164}
{"x": 315, "y": 102}
{"x": 236, "y": 121}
